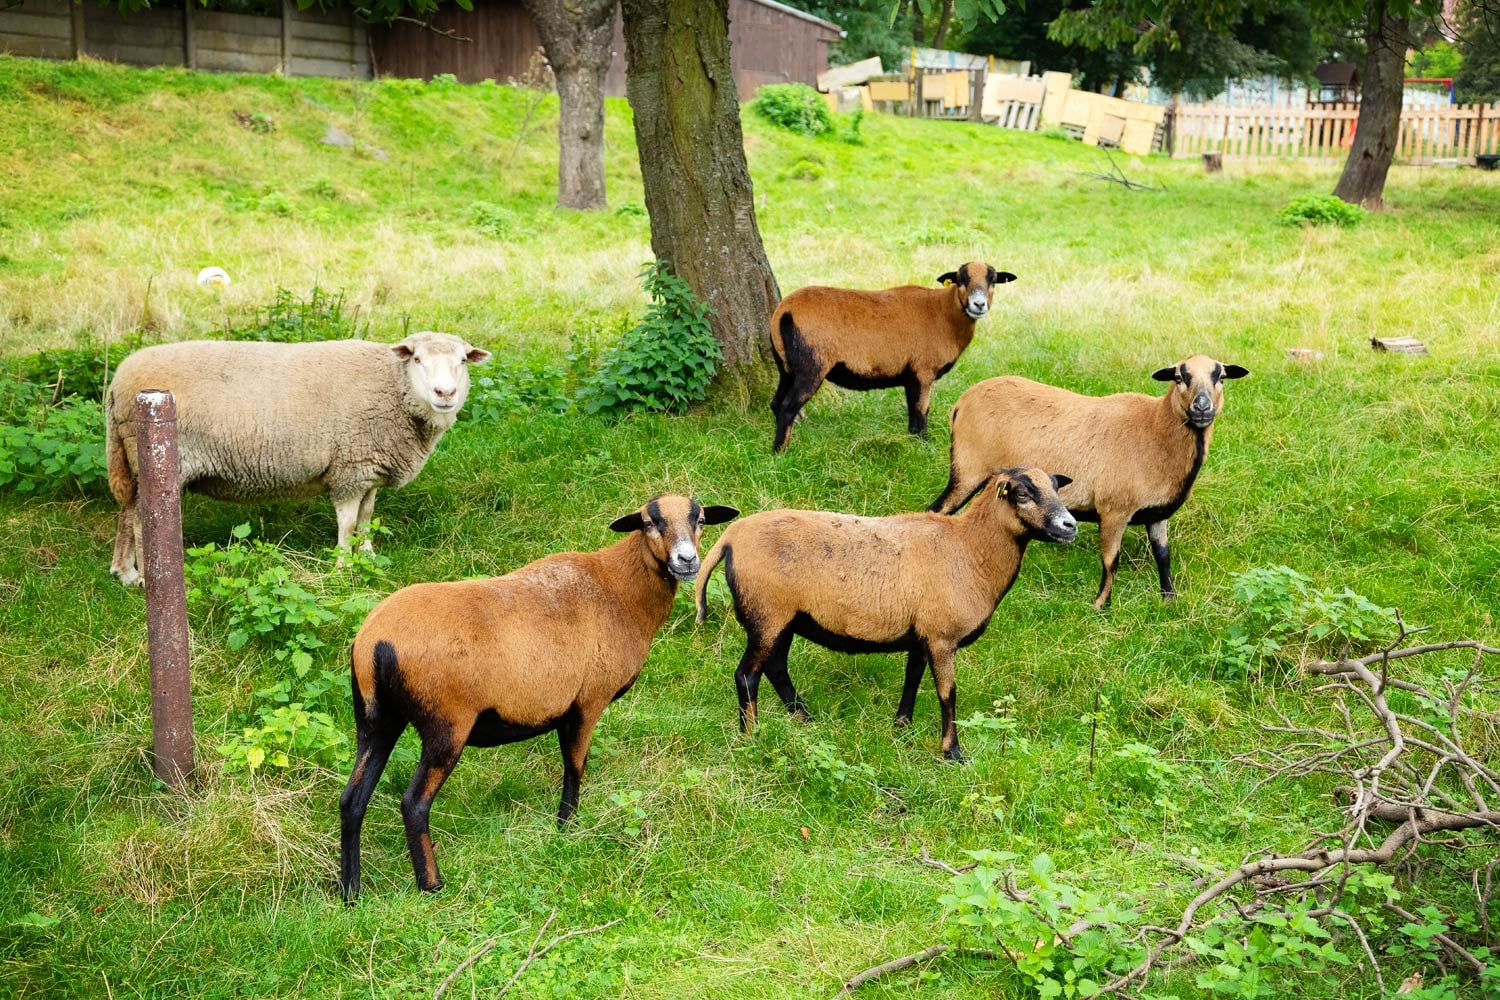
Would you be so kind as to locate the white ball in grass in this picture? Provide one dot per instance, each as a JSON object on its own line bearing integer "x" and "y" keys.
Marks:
{"x": 213, "y": 277}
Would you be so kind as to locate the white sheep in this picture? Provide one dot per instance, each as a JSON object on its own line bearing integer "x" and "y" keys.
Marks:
{"x": 263, "y": 421}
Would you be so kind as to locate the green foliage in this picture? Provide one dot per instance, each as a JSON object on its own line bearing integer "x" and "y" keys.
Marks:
{"x": 499, "y": 223}
{"x": 805, "y": 170}
{"x": 849, "y": 128}
{"x": 1283, "y": 608}
{"x": 795, "y": 107}
{"x": 258, "y": 598}
{"x": 69, "y": 371}
{"x": 294, "y": 320}
{"x": 1028, "y": 924}
{"x": 1321, "y": 210}
{"x": 666, "y": 361}
{"x": 1440, "y": 59}
{"x": 53, "y": 446}
{"x": 1477, "y": 78}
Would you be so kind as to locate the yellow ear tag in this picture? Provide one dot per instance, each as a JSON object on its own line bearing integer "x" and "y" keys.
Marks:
{"x": 1005, "y": 489}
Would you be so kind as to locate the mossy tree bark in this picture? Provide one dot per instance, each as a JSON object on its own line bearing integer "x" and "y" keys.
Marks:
{"x": 698, "y": 192}
{"x": 576, "y": 36}
{"x": 1387, "y": 34}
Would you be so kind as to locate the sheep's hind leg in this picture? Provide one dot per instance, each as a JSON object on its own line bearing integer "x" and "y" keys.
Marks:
{"x": 776, "y": 672}
{"x": 916, "y": 666}
{"x": 439, "y": 757}
{"x": 758, "y": 649}
{"x": 574, "y": 733}
{"x": 802, "y": 389}
{"x": 374, "y": 740}
{"x": 125, "y": 565}
{"x": 941, "y": 658}
{"x": 346, "y": 510}
{"x": 1162, "y": 552}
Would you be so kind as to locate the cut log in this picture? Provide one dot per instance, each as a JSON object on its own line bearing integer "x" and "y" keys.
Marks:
{"x": 1401, "y": 345}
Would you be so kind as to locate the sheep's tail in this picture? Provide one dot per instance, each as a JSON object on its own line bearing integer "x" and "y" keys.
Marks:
{"x": 121, "y": 482}
{"x": 700, "y": 587}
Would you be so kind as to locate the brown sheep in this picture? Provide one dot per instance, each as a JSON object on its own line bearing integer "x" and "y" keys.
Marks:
{"x": 484, "y": 662}
{"x": 919, "y": 583}
{"x": 909, "y": 336}
{"x": 1132, "y": 458}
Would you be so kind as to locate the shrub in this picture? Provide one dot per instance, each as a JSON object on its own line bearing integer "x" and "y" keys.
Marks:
{"x": 1320, "y": 210}
{"x": 805, "y": 170}
{"x": 1282, "y": 608}
{"x": 70, "y": 371}
{"x": 795, "y": 107}
{"x": 293, "y": 320}
{"x": 53, "y": 445}
{"x": 666, "y": 361}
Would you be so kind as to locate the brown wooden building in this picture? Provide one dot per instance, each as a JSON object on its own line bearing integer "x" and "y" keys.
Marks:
{"x": 769, "y": 42}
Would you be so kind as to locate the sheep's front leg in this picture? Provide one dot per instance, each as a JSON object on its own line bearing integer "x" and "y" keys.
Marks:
{"x": 574, "y": 733}
{"x": 439, "y": 758}
{"x": 1163, "y": 554}
{"x": 940, "y": 656}
{"x": 1111, "y": 533}
{"x": 362, "y": 521}
{"x": 918, "y": 396}
{"x": 346, "y": 510}
{"x": 804, "y": 386}
{"x": 916, "y": 666}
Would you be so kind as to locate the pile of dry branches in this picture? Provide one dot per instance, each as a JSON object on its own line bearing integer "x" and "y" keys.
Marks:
{"x": 1408, "y": 774}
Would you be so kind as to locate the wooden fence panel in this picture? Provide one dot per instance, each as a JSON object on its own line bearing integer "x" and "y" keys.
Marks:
{"x": 40, "y": 29}
{"x": 1455, "y": 132}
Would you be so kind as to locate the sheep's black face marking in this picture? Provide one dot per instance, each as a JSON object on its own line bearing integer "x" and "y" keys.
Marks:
{"x": 976, "y": 282}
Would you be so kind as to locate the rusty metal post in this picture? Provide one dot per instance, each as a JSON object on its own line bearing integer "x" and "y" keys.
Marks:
{"x": 166, "y": 595}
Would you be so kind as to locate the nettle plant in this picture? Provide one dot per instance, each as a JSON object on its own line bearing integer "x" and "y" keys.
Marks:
{"x": 1284, "y": 610}
{"x": 666, "y": 361}
{"x": 263, "y": 602}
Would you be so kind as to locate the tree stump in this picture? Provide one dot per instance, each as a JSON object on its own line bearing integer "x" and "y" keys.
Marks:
{"x": 1213, "y": 162}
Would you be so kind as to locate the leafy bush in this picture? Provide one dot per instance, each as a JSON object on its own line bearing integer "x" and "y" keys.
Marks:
{"x": 500, "y": 223}
{"x": 1282, "y": 607}
{"x": 262, "y": 600}
{"x": 49, "y": 446}
{"x": 70, "y": 371}
{"x": 795, "y": 107}
{"x": 666, "y": 361}
{"x": 805, "y": 170}
{"x": 1320, "y": 210}
{"x": 293, "y": 320}
{"x": 850, "y": 132}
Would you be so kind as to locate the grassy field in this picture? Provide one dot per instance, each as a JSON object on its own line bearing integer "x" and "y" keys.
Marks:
{"x": 737, "y": 867}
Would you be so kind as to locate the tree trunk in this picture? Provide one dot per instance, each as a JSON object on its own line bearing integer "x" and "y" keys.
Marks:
{"x": 942, "y": 27}
{"x": 918, "y": 27}
{"x": 698, "y": 193}
{"x": 1379, "y": 123}
{"x": 576, "y": 38}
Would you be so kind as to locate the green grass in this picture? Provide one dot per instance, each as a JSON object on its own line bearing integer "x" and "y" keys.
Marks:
{"x": 753, "y": 873}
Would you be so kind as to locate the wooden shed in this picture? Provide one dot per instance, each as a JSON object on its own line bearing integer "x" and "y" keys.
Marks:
{"x": 769, "y": 42}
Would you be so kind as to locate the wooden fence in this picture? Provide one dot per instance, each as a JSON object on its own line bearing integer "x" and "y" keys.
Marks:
{"x": 299, "y": 43}
{"x": 1457, "y": 132}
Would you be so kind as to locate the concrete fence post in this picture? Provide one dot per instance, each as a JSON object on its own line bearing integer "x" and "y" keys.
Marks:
{"x": 166, "y": 589}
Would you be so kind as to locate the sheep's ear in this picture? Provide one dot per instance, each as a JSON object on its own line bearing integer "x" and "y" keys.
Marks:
{"x": 718, "y": 514}
{"x": 1003, "y": 490}
{"x": 401, "y": 351}
{"x": 1235, "y": 371}
{"x": 477, "y": 356}
{"x": 1003, "y": 278}
{"x": 1058, "y": 482}
{"x": 948, "y": 279}
{"x": 1168, "y": 374}
{"x": 630, "y": 522}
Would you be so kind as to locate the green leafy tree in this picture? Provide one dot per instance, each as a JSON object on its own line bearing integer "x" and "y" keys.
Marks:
{"x": 1477, "y": 78}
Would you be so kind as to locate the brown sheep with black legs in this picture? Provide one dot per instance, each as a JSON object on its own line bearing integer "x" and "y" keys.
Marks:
{"x": 908, "y": 336}
{"x": 484, "y": 662}
{"x": 919, "y": 583}
{"x": 1132, "y": 458}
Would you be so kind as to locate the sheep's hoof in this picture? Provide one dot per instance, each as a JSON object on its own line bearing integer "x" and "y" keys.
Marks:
{"x": 954, "y": 754}
{"x": 1169, "y": 595}
{"x": 801, "y": 714}
{"x": 129, "y": 577}
{"x": 902, "y": 721}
